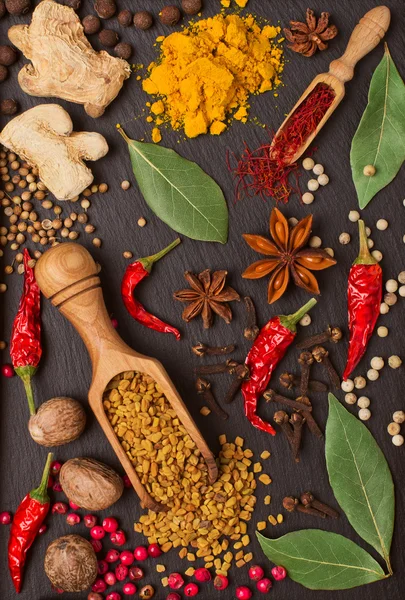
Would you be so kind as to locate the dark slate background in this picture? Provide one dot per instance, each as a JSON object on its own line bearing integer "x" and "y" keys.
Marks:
{"x": 65, "y": 367}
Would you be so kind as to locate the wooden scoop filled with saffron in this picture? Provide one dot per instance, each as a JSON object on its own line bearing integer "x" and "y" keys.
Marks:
{"x": 327, "y": 90}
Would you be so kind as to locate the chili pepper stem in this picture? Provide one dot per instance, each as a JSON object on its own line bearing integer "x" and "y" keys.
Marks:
{"x": 290, "y": 321}
{"x": 148, "y": 261}
{"x": 364, "y": 257}
{"x": 40, "y": 493}
{"x": 25, "y": 374}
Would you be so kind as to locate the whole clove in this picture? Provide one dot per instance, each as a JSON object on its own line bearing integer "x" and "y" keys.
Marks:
{"x": 297, "y": 421}
{"x": 203, "y": 387}
{"x": 281, "y": 418}
{"x": 201, "y": 349}
{"x": 242, "y": 373}
{"x": 321, "y": 355}
{"x": 292, "y": 504}
{"x": 271, "y": 396}
{"x": 290, "y": 381}
{"x": 308, "y": 500}
{"x": 251, "y": 330}
{"x": 310, "y": 420}
{"x": 305, "y": 360}
{"x": 228, "y": 366}
{"x": 332, "y": 334}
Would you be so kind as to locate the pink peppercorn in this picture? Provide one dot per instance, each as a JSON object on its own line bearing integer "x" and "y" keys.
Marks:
{"x": 99, "y": 586}
{"x": 110, "y": 524}
{"x": 202, "y": 574}
{"x": 90, "y": 520}
{"x": 191, "y": 589}
{"x": 55, "y": 467}
{"x": 97, "y": 545}
{"x": 127, "y": 558}
{"x": 72, "y": 519}
{"x": 173, "y": 596}
{"x": 74, "y": 506}
{"x": 154, "y": 551}
{"x": 243, "y": 593}
{"x": 256, "y": 573}
{"x": 140, "y": 553}
{"x": 60, "y": 507}
{"x": 110, "y": 578}
{"x": 114, "y": 596}
{"x": 118, "y": 537}
{"x": 112, "y": 555}
{"x": 279, "y": 573}
{"x": 121, "y": 572}
{"x": 175, "y": 581}
{"x": 264, "y": 585}
{"x": 221, "y": 582}
{"x": 102, "y": 567}
{"x": 127, "y": 481}
{"x": 97, "y": 532}
{"x": 5, "y": 518}
{"x": 57, "y": 487}
{"x": 129, "y": 589}
{"x": 135, "y": 573}
{"x": 94, "y": 596}
{"x": 7, "y": 370}
{"x": 42, "y": 529}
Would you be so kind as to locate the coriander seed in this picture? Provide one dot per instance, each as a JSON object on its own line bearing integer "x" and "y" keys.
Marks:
{"x": 8, "y": 269}
{"x": 64, "y": 232}
{"x": 127, "y": 254}
{"x": 141, "y": 222}
{"x": 57, "y": 210}
{"x": 47, "y": 204}
{"x": 394, "y": 428}
{"x": 82, "y": 218}
{"x": 3, "y": 288}
{"x": 89, "y": 228}
{"x": 73, "y": 235}
{"x": 85, "y": 204}
{"x": 97, "y": 242}
{"x": 103, "y": 188}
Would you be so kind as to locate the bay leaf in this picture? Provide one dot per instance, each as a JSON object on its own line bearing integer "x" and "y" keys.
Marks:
{"x": 179, "y": 192}
{"x": 380, "y": 136}
{"x": 360, "y": 478}
{"x": 321, "y": 560}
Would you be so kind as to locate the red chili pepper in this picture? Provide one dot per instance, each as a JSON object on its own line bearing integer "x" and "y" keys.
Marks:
{"x": 135, "y": 273}
{"x": 363, "y": 299}
{"x": 26, "y": 524}
{"x": 268, "y": 349}
{"x": 25, "y": 344}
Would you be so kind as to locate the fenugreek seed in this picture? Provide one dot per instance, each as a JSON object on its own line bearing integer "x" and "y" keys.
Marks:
{"x": 280, "y": 518}
{"x": 267, "y": 500}
{"x": 272, "y": 519}
{"x": 265, "y": 479}
{"x": 205, "y": 411}
{"x": 265, "y": 454}
{"x": 160, "y": 568}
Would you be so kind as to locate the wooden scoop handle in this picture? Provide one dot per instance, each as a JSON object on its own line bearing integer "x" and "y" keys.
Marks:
{"x": 365, "y": 37}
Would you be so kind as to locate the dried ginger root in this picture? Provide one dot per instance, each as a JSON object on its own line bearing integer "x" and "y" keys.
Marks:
{"x": 43, "y": 136}
{"x": 64, "y": 64}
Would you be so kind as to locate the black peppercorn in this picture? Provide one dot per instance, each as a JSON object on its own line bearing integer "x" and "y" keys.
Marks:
{"x": 91, "y": 24}
{"x": 3, "y": 73}
{"x": 3, "y": 9}
{"x": 191, "y": 7}
{"x": 75, "y": 4}
{"x": 125, "y": 18}
{"x": 108, "y": 38}
{"x": 143, "y": 20}
{"x": 105, "y": 8}
{"x": 18, "y": 7}
{"x": 8, "y": 56}
{"x": 123, "y": 50}
{"x": 170, "y": 15}
{"x": 8, "y": 107}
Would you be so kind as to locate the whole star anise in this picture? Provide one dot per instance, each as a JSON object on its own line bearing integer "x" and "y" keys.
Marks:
{"x": 307, "y": 37}
{"x": 287, "y": 254}
{"x": 208, "y": 295}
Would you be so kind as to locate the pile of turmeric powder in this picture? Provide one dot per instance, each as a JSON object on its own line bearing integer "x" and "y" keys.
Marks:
{"x": 206, "y": 73}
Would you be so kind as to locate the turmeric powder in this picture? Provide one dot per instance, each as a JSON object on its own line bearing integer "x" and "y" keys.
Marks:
{"x": 207, "y": 72}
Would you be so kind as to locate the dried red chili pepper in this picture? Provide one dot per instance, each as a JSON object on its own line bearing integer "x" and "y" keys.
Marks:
{"x": 363, "y": 300}
{"x": 135, "y": 273}
{"x": 26, "y": 524}
{"x": 268, "y": 349}
{"x": 25, "y": 344}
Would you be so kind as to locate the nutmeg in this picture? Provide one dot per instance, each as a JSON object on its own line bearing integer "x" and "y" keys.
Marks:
{"x": 108, "y": 38}
{"x": 143, "y": 20}
{"x": 91, "y": 24}
{"x": 71, "y": 563}
{"x": 57, "y": 421}
{"x": 105, "y": 8}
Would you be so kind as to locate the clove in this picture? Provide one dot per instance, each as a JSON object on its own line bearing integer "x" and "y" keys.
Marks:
{"x": 251, "y": 330}
{"x": 297, "y": 421}
{"x": 271, "y": 396}
{"x": 228, "y": 366}
{"x": 242, "y": 373}
{"x": 201, "y": 349}
{"x": 290, "y": 381}
{"x": 305, "y": 359}
{"x": 203, "y": 387}
{"x": 308, "y": 500}
{"x": 312, "y": 424}
{"x": 281, "y": 418}
{"x": 291, "y": 504}
{"x": 321, "y": 355}
{"x": 332, "y": 334}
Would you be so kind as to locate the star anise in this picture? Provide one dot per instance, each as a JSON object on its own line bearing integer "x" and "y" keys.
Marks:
{"x": 208, "y": 295}
{"x": 287, "y": 254}
{"x": 307, "y": 37}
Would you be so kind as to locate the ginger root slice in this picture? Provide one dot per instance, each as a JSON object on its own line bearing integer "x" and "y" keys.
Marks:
{"x": 64, "y": 64}
{"x": 43, "y": 136}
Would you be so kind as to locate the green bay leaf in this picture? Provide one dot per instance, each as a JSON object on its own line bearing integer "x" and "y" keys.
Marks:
{"x": 179, "y": 192}
{"x": 380, "y": 136}
{"x": 321, "y": 560}
{"x": 360, "y": 478}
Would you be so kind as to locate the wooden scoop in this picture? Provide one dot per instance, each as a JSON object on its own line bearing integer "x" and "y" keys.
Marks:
{"x": 365, "y": 37}
{"x": 67, "y": 275}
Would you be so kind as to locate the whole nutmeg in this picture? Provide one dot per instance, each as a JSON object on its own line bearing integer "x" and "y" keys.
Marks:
{"x": 123, "y": 50}
{"x": 57, "y": 421}
{"x": 8, "y": 107}
{"x": 3, "y": 73}
{"x": 3, "y": 9}
{"x": 75, "y": 4}
{"x": 71, "y": 563}
{"x": 170, "y": 15}
{"x": 108, "y": 38}
{"x": 125, "y": 18}
{"x": 91, "y": 24}
{"x": 8, "y": 55}
{"x": 105, "y": 8}
{"x": 143, "y": 20}
{"x": 191, "y": 7}
{"x": 18, "y": 7}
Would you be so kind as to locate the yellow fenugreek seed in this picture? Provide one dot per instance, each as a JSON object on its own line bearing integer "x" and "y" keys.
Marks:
{"x": 248, "y": 557}
{"x": 205, "y": 411}
{"x": 272, "y": 520}
{"x": 261, "y": 525}
{"x": 267, "y": 500}
{"x": 239, "y": 441}
{"x": 280, "y": 518}
{"x": 265, "y": 454}
{"x": 257, "y": 467}
{"x": 265, "y": 479}
{"x": 165, "y": 581}
{"x": 245, "y": 540}
{"x": 240, "y": 563}
{"x": 190, "y": 571}
{"x": 160, "y": 568}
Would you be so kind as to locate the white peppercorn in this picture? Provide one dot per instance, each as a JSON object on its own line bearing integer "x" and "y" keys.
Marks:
{"x": 382, "y": 224}
{"x": 125, "y": 185}
{"x": 305, "y": 320}
{"x": 377, "y": 363}
{"x": 308, "y": 164}
{"x": 360, "y": 382}
{"x": 363, "y": 402}
{"x": 394, "y": 428}
{"x": 364, "y": 414}
{"x": 307, "y": 198}
{"x": 370, "y": 243}
{"x": 354, "y": 216}
{"x": 401, "y": 277}
{"x": 369, "y": 170}
{"x": 398, "y": 416}
{"x": 384, "y": 308}
{"x": 373, "y": 374}
{"x": 315, "y": 242}
{"x": 350, "y": 398}
{"x": 292, "y": 221}
{"x": 348, "y": 385}
{"x": 330, "y": 251}
{"x": 401, "y": 291}
{"x": 390, "y": 298}
{"x": 141, "y": 222}
{"x": 344, "y": 238}
{"x": 377, "y": 255}
{"x": 398, "y": 440}
{"x": 312, "y": 185}
{"x": 323, "y": 179}
{"x": 368, "y": 231}
{"x": 394, "y": 361}
{"x": 318, "y": 169}
{"x": 391, "y": 285}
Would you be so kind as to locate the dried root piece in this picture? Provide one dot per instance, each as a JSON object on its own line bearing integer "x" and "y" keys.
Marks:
{"x": 64, "y": 64}
{"x": 43, "y": 136}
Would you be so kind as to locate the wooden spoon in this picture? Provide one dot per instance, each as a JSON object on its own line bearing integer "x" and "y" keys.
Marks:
{"x": 365, "y": 37}
{"x": 67, "y": 275}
